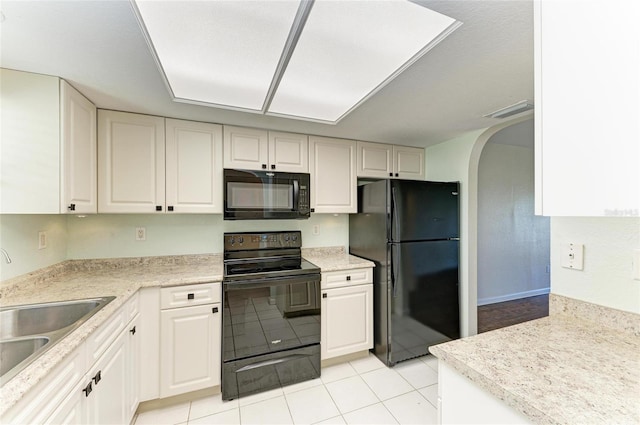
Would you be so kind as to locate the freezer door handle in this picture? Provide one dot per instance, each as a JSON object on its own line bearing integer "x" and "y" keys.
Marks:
{"x": 394, "y": 214}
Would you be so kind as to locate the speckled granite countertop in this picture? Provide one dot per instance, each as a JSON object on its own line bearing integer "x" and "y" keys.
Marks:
{"x": 580, "y": 365}
{"x": 119, "y": 277}
{"x": 334, "y": 258}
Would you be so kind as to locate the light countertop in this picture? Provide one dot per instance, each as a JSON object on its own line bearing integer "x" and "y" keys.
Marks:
{"x": 580, "y": 365}
{"x": 119, "y": 277}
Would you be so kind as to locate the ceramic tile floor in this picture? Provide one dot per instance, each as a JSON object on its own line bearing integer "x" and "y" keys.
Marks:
{"x": 362, "y": 391}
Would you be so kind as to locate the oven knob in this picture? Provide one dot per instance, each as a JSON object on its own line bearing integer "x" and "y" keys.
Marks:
{"x": 240, "y": 239}
{"x": 294, "y": 237}
{"x": 286, "y": 238}
{"x": 232, "y": 240}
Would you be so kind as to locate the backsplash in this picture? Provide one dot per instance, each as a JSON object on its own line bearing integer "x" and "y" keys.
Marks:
{"x": 113, "y": 236}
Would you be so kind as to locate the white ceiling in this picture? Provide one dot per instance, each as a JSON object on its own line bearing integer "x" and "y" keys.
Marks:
{"x": 98, "y": 47}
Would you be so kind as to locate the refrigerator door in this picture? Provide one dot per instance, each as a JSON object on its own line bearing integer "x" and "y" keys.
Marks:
{"x": 423, "y": 210}
{"x": 423, "y": 297}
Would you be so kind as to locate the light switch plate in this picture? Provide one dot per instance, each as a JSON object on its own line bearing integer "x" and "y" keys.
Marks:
{"x": 573, "y": 256}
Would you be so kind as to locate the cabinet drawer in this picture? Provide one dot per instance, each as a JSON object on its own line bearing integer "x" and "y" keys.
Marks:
{"x": 133, "y": 307}
{"x": 346, "y": 278}
{"x": 100, "y": 340}
{"x": 188, "y": 295}
{"x": 45, "y": 397}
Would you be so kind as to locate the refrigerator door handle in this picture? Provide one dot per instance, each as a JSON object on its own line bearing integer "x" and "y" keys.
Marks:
{"x": 394, "y": 214}
{"x": 394, "y": 264}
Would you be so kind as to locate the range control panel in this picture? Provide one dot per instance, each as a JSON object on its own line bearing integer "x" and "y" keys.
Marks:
{"x": 264, "y": 240}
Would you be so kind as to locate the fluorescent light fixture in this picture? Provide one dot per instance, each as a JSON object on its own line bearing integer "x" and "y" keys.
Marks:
{"x": 516, "y": 108}
{"x": 313, "y": 60}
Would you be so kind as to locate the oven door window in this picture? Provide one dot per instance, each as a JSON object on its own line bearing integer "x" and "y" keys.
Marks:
{"x": 267, "y": 318}
{"x": 260, "y": 196}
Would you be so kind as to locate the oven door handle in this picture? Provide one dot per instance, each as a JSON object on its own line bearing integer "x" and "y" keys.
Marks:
{"x": 240, "y": 285}
{"x": 271, "y": 362}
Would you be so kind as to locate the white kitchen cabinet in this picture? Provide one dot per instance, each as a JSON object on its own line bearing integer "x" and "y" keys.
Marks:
{"x": 148, "y": 167}
{"x": 48, "y": 144}
{"x": 288, "y": 152}
{"x": 587, "y": 104}
{"x": 190, "y": 339}
{"x": 460, "y": 401}
{"x": 377, "y": 160}
{"x": 131, "y": 155}
{"x": 255, "y": 149}
{"x": 133, "y": 356}
{"x": 332, "y": 165}
{"x": 96, "y": 384}
{"x": 347, "y": 313}
{"x": 60, "y": 395}
{"x": 193, "y": 167}
{"x": 107, "y": 401}
{"x": 79, "y": 153}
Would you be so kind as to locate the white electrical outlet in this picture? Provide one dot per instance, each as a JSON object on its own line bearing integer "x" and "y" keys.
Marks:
{"x": 141, "y": 234}
{"x": 573, "y": 256}
{"x": 316, "y": 229}
{"x": 42, "y": 240}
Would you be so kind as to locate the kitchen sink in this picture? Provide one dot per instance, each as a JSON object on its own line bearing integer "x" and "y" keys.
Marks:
{"x": 28, "y": 331}
{"x": 15, "y": 351}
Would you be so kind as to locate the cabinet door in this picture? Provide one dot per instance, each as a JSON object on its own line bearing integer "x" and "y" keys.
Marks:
{"x": 79, "y": 187}
{"x": 189, "y": 349}
{"x": 332, "y": 165}
{"x": 375, "y": 160}
{"x": 288, "y": 152}
{"x": 408, "y": 163}
{"x": 107, "y": 402}
{"x": 72, "y": 410}
{"x": 131, "y": 163}
{"x": 347, "y": 320}
{"x": 193, "y": 167}
{"x": 587, "y": 108}
{"x": 245, "y": 148}
{"x": 30, "y": 143}
{"x": 132, "y": 350}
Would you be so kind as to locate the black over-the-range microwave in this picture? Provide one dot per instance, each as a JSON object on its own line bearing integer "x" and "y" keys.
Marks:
{"x": 255, "y": 195}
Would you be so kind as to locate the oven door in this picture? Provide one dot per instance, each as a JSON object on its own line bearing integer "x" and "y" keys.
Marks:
{"x": 270, "y": 315}
{"x": 265, "y": 195}
{"x": 271, "y": 333}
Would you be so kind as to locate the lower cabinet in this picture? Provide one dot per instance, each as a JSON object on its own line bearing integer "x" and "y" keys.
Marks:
{"x": 347, "y": 313}
{"x": 96, "y": 384}
{"x": 190, "y": 339}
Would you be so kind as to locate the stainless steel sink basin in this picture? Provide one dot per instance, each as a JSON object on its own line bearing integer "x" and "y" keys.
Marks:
{"x": 27, "y": 331}
{"x": 15, "y": 351}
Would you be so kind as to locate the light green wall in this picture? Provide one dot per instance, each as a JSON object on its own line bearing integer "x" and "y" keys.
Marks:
{"x": 19, "y": 237}
{"x": 112, "y": 235}
{"x": 449, "y": 161}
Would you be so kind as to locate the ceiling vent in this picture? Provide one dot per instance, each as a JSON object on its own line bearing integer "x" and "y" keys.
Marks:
{"x": 516, "y": 108}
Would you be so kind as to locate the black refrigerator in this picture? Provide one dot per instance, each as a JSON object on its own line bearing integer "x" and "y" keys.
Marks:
{"x": 410, "y": 230}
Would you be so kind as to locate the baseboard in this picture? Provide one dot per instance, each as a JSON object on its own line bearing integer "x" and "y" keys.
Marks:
{"x": 515, "y": 296}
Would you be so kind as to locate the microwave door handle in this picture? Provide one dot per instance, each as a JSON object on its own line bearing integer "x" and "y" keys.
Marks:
{"x": 296, "y": 193}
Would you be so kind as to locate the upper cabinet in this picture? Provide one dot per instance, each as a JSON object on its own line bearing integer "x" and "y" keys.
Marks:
{"x": 194, "y": 167}
{"x": 332, "y": 165}
{"x": 48, "y": 146}
{"x": 587, "y": 106}
{"x": 141, "y": 155}
{"x": 254, "y": 149}
{"x": 377, "y": 160}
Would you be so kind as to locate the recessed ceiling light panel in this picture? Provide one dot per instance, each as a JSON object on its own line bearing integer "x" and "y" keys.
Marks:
{"x": 348, "y": 50}
{"x": 314, "y": 60}
{"x": 218, "y": 52}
